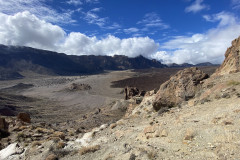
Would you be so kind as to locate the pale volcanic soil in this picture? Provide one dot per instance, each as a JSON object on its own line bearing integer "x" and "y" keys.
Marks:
{"x": 203, "y": 131}
{"x": 55, "y": 102}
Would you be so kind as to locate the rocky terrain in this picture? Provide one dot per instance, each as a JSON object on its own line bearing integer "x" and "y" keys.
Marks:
{"x": 192, "y": 116}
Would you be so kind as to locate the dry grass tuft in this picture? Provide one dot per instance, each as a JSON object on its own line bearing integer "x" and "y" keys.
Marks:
{"x": 89, "y": 149}
{"x": 233, "y": 83}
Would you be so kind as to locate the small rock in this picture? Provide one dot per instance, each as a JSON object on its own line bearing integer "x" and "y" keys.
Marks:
{"x": 113, "y": 125}
{"x": 132, "y": 157}
{"x": 227, "y": 122}
{"x": 52, "y": 157}
{"x": 59, "y": 134}
{"x": 225, "y": 95}
{"x": 164, "y": 133}
{"x": 189, "y": 135}
{"x": 25, "y": 117}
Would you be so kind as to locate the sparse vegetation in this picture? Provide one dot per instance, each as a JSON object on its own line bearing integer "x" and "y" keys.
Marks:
{"x": 60, "y": 145}
{"x": 151, "y": 155}
{"x": 233, "y": 83}
{"x": 61, "y": 153}
{"x": 36, "y": 143}
{"x": 89, "y": 149}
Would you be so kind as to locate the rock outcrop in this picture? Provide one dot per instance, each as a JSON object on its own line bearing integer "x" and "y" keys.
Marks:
{"x": 231, "y": 63}
{"x": 181, "y": 87}
{"x": 3, "y": 128}
{"x": 131, "y": 92}
{"x": 24, "y": 117}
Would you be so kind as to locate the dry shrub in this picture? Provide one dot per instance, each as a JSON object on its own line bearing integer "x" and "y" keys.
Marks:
{"x": 89, "y": 149}
{"x": 233, "y": 83}
{"x": 36, "y": 143}
{"x": 60, "y": 145}
{"x": 113, "y": 125}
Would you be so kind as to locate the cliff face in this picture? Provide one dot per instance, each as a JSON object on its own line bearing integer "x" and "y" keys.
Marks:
{"x": 231, "y": 63}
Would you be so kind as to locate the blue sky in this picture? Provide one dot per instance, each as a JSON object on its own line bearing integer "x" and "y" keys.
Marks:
{"x": 172, "y": 31}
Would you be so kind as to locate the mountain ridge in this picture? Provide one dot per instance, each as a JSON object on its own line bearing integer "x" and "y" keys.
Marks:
{"x": 43, "y": 61}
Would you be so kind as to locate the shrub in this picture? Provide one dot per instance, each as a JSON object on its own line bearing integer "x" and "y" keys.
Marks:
{"x": 89, "y": 149}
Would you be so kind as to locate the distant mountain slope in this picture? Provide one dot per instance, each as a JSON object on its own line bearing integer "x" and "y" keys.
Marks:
{"x": 48, "y": 62}
{"x": 184, "y": 65}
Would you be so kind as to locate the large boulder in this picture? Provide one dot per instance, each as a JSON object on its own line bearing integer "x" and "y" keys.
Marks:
{"x": 231, "y": 64}
{"x": 181, "y": 87}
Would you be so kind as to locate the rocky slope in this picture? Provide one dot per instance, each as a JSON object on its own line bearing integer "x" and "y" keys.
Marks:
{"x": 201, "y": 122}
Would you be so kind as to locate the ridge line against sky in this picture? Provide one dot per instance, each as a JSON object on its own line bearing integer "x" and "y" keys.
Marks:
{"x": 176, "y": 31}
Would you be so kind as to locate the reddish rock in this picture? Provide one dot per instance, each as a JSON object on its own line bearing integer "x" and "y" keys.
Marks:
{"x": 24, "y": 117}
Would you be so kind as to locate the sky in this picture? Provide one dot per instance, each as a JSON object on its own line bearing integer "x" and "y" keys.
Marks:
{"x": 171, "y": 31}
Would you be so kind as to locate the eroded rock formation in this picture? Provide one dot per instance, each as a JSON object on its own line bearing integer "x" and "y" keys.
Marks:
{"x": 181, "y": 87}
{"x": 231, "y": 63}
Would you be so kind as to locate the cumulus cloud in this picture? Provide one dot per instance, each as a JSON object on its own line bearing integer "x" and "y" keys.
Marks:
{"x": 28, "y": 30}
{"x": 206, "y": 47}
{"x": 196, "y": 6}
{"x": 80, "y": 44}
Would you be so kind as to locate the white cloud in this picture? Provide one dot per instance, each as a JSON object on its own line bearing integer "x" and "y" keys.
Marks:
{"x": 224, "y": 18}
{"x": 196, "y": 6}
{"x": 153, "y": 20}
{"x": 28, "y": 30}
{"x": 113, "y": 26}
{"x": 75, "y": 2}
{"x": 93, "y": 18}
{"x": 206, "y": 47}
{"x": 36, "y": 7}
{"x": 96, "y": 9}
{"x": 80, "y": 2}
{"x": 236, "y": 4}
{"x": 131, "y": 30}
{"x": 92, "y": 1}
{"x": 80, "y": 44}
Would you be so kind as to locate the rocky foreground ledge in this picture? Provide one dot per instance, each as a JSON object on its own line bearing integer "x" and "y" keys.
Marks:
{"x": 192, "y": 116}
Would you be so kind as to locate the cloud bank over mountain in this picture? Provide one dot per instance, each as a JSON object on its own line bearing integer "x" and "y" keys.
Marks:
{"x": 26, "y": 29}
